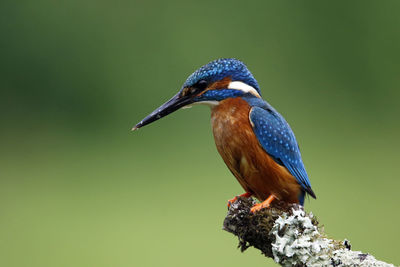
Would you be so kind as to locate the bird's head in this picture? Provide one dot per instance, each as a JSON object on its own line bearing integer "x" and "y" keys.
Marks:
{"x": 210, "y": 84}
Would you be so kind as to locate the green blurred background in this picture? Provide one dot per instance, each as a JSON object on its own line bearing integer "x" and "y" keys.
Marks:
{"x": 78, "y": 188}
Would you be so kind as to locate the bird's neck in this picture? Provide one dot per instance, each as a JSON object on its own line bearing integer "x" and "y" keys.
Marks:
{"x": 231, "y": 112}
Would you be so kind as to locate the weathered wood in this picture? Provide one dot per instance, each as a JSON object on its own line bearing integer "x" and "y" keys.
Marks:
{"x": 290, "y": 236}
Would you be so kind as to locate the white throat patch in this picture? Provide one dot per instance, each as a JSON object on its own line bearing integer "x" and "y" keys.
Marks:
{"x": 209, "y": 103}
{"x": 237, "y": 85}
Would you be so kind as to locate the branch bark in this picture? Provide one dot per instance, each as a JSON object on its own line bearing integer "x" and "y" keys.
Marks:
{"x": 290, "y": 236}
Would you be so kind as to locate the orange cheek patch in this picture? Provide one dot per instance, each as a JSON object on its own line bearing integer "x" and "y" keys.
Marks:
{"x": 222, "y": 84}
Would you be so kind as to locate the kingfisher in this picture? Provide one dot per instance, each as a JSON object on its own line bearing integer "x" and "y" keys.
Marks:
{"x": 254, "y": 140}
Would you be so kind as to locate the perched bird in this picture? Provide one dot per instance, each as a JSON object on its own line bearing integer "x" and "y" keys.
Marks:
{"x": 254, "y": 140}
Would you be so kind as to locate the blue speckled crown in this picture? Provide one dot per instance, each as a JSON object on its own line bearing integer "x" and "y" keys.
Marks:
{"x": 221, "y": 68}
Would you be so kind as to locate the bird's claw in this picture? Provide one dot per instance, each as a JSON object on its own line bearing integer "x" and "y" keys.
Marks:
{"x": 259, "y": 206}
{"x": 231, "y": 201}
{"x": 265, "y": 204}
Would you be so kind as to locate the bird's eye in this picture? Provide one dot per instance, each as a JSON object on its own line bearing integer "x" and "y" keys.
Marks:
{"x": 201, "y": 85}
{"x": 195, "y": 89}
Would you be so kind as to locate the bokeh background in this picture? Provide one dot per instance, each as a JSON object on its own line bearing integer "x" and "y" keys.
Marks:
{"x": 77, "y": 188}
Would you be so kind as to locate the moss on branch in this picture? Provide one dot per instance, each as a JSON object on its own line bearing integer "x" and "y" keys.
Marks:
{"x": 290, "y": 236}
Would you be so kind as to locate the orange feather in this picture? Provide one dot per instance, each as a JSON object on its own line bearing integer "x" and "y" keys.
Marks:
{"x": 238, "y": 146}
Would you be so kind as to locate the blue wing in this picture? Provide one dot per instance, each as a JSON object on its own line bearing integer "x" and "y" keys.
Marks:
{"x": 278, "y": 140}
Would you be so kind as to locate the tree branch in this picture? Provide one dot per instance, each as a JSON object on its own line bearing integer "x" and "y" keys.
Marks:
{"x": 290, "y": 236}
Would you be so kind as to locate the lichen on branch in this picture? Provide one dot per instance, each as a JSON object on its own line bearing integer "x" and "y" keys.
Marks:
{"x": 290, "y": 236}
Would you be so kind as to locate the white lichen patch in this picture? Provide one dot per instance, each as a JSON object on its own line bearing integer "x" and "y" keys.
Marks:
{"x": 347, "y": 258}
{"x": 298, "y": 241}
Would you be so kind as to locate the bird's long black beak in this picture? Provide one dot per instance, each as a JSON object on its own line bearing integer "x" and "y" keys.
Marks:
{"x": 168, "y": 107}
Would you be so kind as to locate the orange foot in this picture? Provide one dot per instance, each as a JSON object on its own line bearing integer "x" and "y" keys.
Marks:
{"x": 265, "y": 204}
{"x": 233, "y": 200}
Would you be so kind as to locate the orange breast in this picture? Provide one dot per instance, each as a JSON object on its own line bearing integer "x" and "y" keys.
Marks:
{"x": 236, "y": 142}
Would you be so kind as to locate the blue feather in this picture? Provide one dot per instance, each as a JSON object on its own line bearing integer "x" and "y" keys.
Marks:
{"x": 278, "y": 140}
{"x": 221, "y": 68}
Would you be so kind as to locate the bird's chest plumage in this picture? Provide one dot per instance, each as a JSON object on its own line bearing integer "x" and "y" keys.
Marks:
{"x": 232, "y": 131}
{"x": 237, "y": 144}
